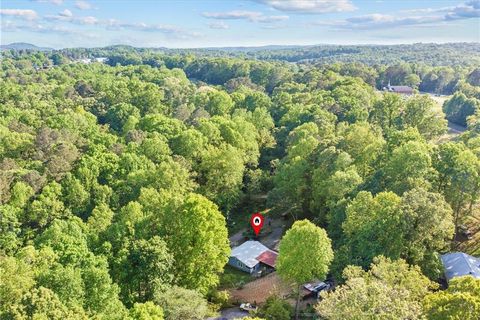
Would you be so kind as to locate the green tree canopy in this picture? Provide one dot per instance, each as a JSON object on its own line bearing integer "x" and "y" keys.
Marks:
{"x": 305, "y": 253}
{"x": 389, "y": 290}
{"x": 460, "y": 301}
{"x": 180, "y": 303}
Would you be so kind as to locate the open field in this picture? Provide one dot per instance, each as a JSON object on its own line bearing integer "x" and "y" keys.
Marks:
{"x": 453, "y": 129}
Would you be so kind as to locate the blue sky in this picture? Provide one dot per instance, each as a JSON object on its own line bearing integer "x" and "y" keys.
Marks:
{"x": 196, "y": 23}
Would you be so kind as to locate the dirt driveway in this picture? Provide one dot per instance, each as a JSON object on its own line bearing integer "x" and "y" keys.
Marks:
{"x": 275, "y": 228}
{"x": 259, "y": 290}
{"x": 273, "y": 231}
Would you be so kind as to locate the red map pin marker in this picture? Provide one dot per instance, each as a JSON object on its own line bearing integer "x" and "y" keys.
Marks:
{"x": 256, "y": 221}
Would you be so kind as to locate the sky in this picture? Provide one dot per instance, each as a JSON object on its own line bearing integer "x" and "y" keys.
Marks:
{"x": 233, "y": 23}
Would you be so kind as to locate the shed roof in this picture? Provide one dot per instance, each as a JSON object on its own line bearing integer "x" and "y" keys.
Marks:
{"x": 248, "y": 252}
{"x": 400, "y": 88}
{"x": 459, "y": 264}
{"x": 268, "y": 257}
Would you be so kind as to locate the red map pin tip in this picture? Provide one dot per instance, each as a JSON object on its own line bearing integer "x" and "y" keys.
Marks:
{"x": 256, "y": 221}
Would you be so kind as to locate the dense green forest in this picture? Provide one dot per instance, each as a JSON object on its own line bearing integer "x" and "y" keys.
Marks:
{"x": 120, "y": 181}
{"x": 434, "y": 68}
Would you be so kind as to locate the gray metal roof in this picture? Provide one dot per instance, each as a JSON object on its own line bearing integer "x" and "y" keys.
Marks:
{"x": 248, "y": 251}
{"x": 459, "y": 264}
{"x": 400, "y": 88}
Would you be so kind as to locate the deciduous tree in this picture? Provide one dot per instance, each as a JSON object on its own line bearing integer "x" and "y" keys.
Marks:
{"x": 305, "y": 253}
{"x": 460, "y": 301}
{"x": 389, "y": 290}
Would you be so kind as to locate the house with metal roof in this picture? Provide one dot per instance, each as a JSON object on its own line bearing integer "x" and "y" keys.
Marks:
{"x": 251, "y": 256}
{"x": 398, "y": 89}
{"x": 457, "y": 264}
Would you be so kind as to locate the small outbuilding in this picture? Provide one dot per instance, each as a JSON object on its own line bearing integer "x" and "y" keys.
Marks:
{"x": 252, "y": 256}
{"x": 457, "y": 264}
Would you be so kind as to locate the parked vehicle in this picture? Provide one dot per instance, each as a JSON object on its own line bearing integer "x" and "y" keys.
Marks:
{"x": 315, "y": 289}
{"x": 463, "y": 230}
{"x": 248, "y": 307}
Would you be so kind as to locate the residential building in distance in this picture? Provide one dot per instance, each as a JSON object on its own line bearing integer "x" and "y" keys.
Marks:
{"x": 398, "y": 89}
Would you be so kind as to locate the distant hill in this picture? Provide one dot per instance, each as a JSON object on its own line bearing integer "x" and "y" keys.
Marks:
{"x": 445, "y": 54}
{"x": 23, "y": 46}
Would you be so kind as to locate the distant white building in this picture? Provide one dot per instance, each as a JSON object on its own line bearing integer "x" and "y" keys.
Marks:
{"x": 85, "y": 60}
{"x": 251, "y": 256}
{"x": 88, "y": 60}
{"x": 398, "y": 89}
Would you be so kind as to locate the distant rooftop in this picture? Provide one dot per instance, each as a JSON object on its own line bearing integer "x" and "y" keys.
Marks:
{"x": 399, "y": 88}
{"x": 252, "y": 252}
{"x": 459, "y": 264}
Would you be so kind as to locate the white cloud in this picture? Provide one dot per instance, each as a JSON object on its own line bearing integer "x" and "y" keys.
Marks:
{"x": 169, "y": 30}
{"x": 273, "y": 26}
{"x": 430, "y": 17}
{"x": 388, "y": 21}
{"x": 66, "y": 13}
{"x": 83, "y": 5}
{"x": 49, "y": 23}
{"x": 267, "y": 19}
{"x": 57, "y": 17}
{"x": 113, "y": 24}
{"x": 87, "y": 20}
{"x": 427, "y": 10}
{"x": 237, "y": 14}
{"x": 470, "y": 9}
{"x": 67, "y": 16}
{"x": 310, "y": 6}
{"x": 218, "y": 25}
{"x": 20, "y": 13}
{"x": 9, "y": 26}
{"x": 252, "y": 16}
{"x": 56, "y": 2}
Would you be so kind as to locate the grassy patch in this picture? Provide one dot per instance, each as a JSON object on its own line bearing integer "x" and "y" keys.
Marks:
{"x": 233, "y": 278}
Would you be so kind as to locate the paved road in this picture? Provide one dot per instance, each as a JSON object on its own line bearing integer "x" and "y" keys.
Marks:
{"x": 231, "y": 314}
{"x": 275, "y": 231}
{"x": 272, "y": 239}
{"x": 237, "y": 238}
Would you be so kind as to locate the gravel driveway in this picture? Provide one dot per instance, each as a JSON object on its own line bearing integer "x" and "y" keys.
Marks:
{"x": 230, "y": 314}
